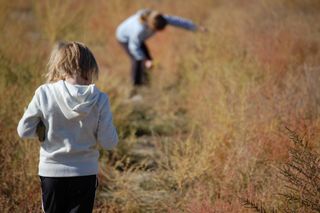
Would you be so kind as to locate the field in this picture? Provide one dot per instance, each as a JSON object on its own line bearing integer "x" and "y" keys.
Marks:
{"x": 230, "y": 122}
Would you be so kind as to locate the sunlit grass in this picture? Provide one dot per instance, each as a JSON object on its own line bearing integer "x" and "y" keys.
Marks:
{"x": 212, "y": 128}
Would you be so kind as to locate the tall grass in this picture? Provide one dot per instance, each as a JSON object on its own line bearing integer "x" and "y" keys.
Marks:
{"x": 211, "y": 129}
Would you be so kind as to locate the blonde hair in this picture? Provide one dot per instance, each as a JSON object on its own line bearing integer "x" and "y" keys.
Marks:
{"x": 69, "y": 59}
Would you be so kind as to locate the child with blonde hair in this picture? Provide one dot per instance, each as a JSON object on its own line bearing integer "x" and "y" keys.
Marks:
{"x": 76, "y": 118}
{"x": 135, "y": 30}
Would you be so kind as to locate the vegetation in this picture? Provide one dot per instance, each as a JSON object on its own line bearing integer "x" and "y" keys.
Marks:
{"x": 301, "y": 181}
{"x": 210, "y": 135}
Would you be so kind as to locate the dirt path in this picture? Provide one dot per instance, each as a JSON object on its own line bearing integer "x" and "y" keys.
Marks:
{"x": 138, "y": 179}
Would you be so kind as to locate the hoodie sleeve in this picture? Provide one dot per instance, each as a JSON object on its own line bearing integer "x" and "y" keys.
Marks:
{"x": 181, "y": 22}
{"x": 28, "y": 124}
{"x": 106, "y": 133}
{"x": 135, "y": 43}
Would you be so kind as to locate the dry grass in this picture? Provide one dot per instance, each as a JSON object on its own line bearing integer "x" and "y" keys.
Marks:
{"x": 212, "y": 128}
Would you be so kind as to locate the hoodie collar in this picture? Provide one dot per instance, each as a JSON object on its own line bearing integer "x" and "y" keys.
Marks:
{"x": 75, "y": 101}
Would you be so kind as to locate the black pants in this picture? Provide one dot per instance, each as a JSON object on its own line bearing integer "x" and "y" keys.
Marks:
{"x": 68, "y": 194}
{"x": 138, "y": 73}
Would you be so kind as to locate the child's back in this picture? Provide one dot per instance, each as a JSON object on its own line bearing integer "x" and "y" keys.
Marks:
{"x": 77, "y": 118}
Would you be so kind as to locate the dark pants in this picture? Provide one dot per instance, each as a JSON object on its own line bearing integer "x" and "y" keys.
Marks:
{"x": 68, "y": 194}
{"x": 138, "y": 73}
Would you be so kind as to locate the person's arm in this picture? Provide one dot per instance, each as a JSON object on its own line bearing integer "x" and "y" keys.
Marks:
{"x": 181, "y": 22}
{"x": 28, "y": 125}
{"x": 107, "y": 135}
{"x": 135, "y": 48}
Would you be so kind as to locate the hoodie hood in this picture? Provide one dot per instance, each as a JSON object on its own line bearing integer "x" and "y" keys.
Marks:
{"x": 75, "y": 101}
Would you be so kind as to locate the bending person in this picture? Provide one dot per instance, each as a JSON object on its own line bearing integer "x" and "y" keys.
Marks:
{"x": 135, "y": 30}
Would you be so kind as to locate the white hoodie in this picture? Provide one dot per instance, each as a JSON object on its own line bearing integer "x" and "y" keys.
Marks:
{"x": 77, "y": 118}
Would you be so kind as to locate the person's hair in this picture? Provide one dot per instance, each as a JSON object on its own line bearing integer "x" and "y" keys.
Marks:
{"x": 158, "y": 22}
{"x": 154, "y": 19}
{"x": 69, "y": 59}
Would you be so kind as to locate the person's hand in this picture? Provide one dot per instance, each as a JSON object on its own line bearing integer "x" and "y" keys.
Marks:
{"x": 203, "y": 29}
{"x": 148, "y": 64}
{"x": 41, "y": 131}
